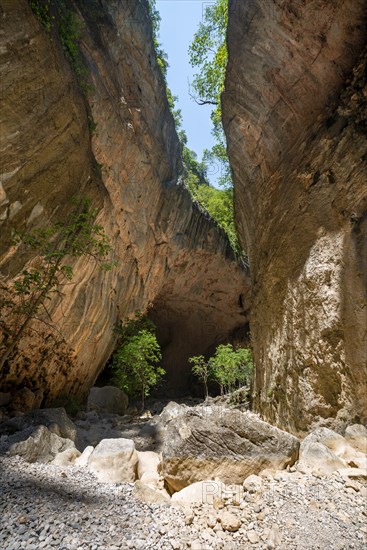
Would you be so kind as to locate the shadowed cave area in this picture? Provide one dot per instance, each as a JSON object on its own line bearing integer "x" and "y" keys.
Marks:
{"x": 184, "y": 330}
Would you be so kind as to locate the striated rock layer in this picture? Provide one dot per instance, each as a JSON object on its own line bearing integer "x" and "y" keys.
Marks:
{"x": 295, "y": 118}
{"x": 169, "y": 254}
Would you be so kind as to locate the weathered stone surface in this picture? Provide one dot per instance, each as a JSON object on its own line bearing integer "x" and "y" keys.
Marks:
{"x": 213, "y": 442}
{"x": 24, "y": 400}
{"x": 326, "y": 451}
{"x": 201, "y": 492}
{"x": 107, "y": 400}
{"x": 145, "y": 493}
{"x": 67, "y": 457}
{"x": 38, "y": 445}
{"x": 356, "y": 436}
{"x": 56, "y": 420}
{"x": 165, "y": 247}
{"x": 82, "y": 460}
{"x": 296, "y": 138}
{"x": 230, "y": 522}
{"x": 148, "y": 462}
{"x": 172, "y": 410}
{"x": 114, "y": 460}
{"x": 252, "y": 483}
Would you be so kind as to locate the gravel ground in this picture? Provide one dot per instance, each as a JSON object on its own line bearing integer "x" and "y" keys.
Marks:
{"x": 44, "y": 506}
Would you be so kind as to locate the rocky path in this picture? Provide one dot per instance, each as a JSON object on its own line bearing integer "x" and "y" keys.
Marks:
{"x": 45, "y": 507}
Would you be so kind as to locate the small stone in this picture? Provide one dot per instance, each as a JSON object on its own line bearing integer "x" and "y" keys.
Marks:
{"x": 218, "y": 503}
{"x": 253, "y": 537}
{"x": 189, "y": 518}
{"x": 211, "y": 521}
{"x": 230, "y": 522}
{"x": 23, "y": 519}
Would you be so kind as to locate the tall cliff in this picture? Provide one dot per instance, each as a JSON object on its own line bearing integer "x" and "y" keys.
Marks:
{"x": 295, "y": 117}
{"x": 169, "y": 254}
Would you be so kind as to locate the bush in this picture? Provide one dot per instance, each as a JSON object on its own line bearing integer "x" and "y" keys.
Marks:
{"x": 135, "y": 362}
{"x": 230, "y": 368}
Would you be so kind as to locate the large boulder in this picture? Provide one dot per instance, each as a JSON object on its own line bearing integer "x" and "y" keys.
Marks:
{"x": 214, "y": 442}
{"x": 114, "y": 460}
{"x": 324, "y": 451}
{"x": 356, "y": 436}
{"x": 37, "y": 445}
{"x": 56, "y": 420}
{"x": 172, "y": 410}
{"x": 107, "y": 400}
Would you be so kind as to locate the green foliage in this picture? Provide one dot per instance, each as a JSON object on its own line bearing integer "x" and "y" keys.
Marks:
{"x": 217, "y": 202}
{"x": 42, "y": 11}
{"x": 161, "y": 55}
{"x": 58, "y": 18}
{"x": 229, "y": 367}
{"x": 135, "y": 362}
{"x": 25, "y": 298}
{"x": 208, "y": 52}
{"x": 201, "y": 369}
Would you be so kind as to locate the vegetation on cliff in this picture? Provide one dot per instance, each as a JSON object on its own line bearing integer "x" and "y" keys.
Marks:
{"x": 23, "y": 301}
{"x": 217, "y": 202}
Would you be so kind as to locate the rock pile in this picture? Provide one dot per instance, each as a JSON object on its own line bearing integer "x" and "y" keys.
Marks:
{"x": 114, "y": 496}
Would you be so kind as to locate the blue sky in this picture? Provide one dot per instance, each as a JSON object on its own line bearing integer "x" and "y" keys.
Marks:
{"x": 180, "y": 20}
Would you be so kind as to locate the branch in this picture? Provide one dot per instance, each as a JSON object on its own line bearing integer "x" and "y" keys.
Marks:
{"x": 202, "y": 101}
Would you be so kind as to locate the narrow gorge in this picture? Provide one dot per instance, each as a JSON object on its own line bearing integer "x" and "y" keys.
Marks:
{"x": 169, "y": 254}
{"x": 183, "y": 357}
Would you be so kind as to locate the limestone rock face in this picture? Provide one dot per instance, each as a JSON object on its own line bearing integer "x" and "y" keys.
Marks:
{"x": 217, "y": 443}
{"x": 295, "y": 117}
{"x": 168, "y": 253}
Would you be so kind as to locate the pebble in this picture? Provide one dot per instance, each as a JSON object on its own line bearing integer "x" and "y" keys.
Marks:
{"x": 42, "y": 509}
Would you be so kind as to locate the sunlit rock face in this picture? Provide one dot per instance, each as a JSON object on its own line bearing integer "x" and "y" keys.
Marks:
{"x": 168, "y": 253}
{"x": 295, "y": 117}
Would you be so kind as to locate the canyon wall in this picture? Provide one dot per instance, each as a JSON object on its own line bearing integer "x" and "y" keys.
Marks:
{"x": 294, "y": 113}
{"x": 169, "y": 254}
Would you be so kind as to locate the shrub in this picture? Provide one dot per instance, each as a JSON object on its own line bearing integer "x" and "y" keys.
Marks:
{"x": 135, "y": 362}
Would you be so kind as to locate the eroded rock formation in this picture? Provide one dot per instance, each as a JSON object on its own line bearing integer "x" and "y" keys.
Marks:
{"x": 168, "y": 252}
{"x": 295, "y": 118}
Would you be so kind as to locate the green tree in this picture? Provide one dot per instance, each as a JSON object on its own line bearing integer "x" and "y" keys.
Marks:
{"x": 208, "y": 53}
{"x": 231, "y": 367}
{"x": 201, "y": 369}
{"x": 245, "y": 366}
{"x": 25, "y": 298}
{"x": 136, "y": 364}
{"x": 208, "y": 84}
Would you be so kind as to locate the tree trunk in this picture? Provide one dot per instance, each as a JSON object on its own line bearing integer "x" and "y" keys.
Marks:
{"x": 142, "y": 398}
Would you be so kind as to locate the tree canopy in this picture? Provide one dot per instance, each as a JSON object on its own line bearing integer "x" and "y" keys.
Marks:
{"x": 208, "y": 53}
